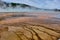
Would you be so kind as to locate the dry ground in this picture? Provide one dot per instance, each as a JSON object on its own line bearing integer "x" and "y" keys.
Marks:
{"x": 24, "y": 26}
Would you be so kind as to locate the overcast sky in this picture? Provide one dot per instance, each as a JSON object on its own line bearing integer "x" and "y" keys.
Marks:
{"x": 47, "y": 4}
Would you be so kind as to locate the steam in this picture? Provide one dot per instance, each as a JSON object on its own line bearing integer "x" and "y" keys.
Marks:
{"x": 46, "y": 4}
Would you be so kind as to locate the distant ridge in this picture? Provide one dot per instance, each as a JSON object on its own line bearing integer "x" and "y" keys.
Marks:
{"x": 5, "y": 4}
{"x": 46, "y": 4}
{"x": 14, "y": 4}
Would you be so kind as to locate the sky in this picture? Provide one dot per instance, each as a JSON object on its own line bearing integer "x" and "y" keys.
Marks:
{"x": 46, "y": 4}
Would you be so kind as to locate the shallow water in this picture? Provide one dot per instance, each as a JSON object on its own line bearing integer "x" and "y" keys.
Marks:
{"x": 18, "y": 9}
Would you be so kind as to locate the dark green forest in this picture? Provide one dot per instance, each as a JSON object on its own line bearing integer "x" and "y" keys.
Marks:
{"x": 22, "y": 5}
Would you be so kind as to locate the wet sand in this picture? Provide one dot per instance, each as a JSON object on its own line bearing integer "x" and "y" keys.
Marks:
{"x": 29, "y": 26}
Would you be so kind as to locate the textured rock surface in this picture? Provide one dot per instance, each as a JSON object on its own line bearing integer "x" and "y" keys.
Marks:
{"x": 28, "y": 28}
